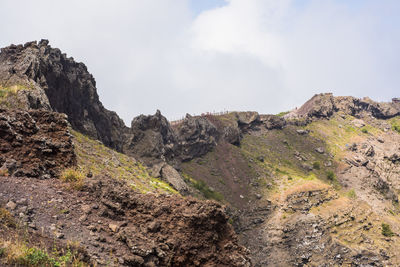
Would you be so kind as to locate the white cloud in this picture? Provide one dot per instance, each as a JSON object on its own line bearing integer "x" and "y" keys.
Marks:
{"x": 263, "y": 55}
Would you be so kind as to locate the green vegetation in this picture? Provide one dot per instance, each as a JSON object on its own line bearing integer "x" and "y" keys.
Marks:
{"x": 95, "y": 158}
{"x": 386, "y": 231}
{"x": 395, "y": 122}
{"x": 4, "y": 172}
{"x": 74, "y": 177}
{"x": 207, "y": 192}
{"x": 339, "y": 131}
{"x": 281, "y": 114}
{"x": 330, "y": 175}
{"x": 351, "y": 194}
{"x": 20, "y": 254}
{"x": 316, "y": 165}
{"x": 6, "y": 219}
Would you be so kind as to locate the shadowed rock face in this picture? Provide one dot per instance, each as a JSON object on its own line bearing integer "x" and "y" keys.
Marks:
{"x": 197, "y": 136}
{"x": 150, "y": 138}
{"x": 69, "y": 87}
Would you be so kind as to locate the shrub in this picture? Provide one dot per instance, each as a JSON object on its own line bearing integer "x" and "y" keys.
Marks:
{"x": 73, "y": 177}
{"x": 396, "y": 128}
{"x": 316, "y": 165}
{"x": 351, "y": 194}
{"x": 206, "y": 191}
{"x": 386, "y": 231}
{"x": 330, "y": 175}
{"x": 20, "y": 254}
{"x": 4, "y": 172}
{"x": 364, "y": 130}
{"x": 6, "y": 218}
{"x": 35, "y": 257}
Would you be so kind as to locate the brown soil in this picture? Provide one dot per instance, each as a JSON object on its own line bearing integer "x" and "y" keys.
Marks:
{"x": 117, "y": 226}
{"x": 35, "y": 143}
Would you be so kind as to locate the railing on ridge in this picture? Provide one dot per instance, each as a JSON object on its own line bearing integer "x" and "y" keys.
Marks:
{"x": 178, "y": 121}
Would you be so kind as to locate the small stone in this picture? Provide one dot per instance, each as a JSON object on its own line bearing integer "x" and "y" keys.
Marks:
{"x": 11, "y": 205}
{"x": 154, "y": 226}
{"x": 83, "y": 218}
{"x": 258, "y": 196}
{"x": 328, "y": 163}
{"x": 320, "y": 150}
{"x": 91, "y": 227}
{"x": 307, "y": 167}
{"x": 358, "y": 123}
{"x": 22, "y": 201}
{"x": 45, "y": 177}
{"x": 241, "y": 196}
{"x": 59, "y": 235}
{"x": 113, "y": 227}
{"x": 86, "y": 209}
{"x": 302, "y": 132}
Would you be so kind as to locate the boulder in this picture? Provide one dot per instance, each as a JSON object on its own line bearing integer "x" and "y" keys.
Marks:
{"x": 150, "y": 138}
{"x": 319, "y": 106}
{"x": 358, "y": 123}
{"x": 247, "y": 118}
{"x": 272, "y": 121}
{"x": 197, "y": 136}
{"x": 172, "y": 176}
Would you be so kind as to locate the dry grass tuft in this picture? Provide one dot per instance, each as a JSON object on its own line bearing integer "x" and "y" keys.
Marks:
{"x": 74, "y": 177}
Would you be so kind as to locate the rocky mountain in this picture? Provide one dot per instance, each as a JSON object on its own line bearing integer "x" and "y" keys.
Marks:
{"x": 316, "y": 186}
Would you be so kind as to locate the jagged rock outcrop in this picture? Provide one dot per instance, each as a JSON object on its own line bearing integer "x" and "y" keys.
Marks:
{"x": 355, "y": 107}
{"x": 319, "y": 106}
{"x": 170, "y": 175}
{"x": 150, "y": 138}
{"x": 325, "y": 105}
{"x": 272, "y": 121}
{"x": 196, "y": 137}
{"x": 35, "y": 143}
{"x": 68, "y": 85}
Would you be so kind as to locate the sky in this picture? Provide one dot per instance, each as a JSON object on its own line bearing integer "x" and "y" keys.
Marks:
{"x": 195, "y": 56}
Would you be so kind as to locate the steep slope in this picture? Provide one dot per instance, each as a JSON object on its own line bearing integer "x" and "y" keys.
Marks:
{"x": 106, "y": 211}
{"x": 317, "y": 186}
{"x": 323, "y": 190}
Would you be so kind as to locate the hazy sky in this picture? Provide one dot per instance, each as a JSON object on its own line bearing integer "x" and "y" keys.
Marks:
{"x": 196, "y": 56}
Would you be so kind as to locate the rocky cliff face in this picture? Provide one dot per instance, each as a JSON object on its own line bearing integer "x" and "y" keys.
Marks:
{"x": 48, "y": 79}
{"x": 68, "y": 86}
{"x": 325, "y": 105}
